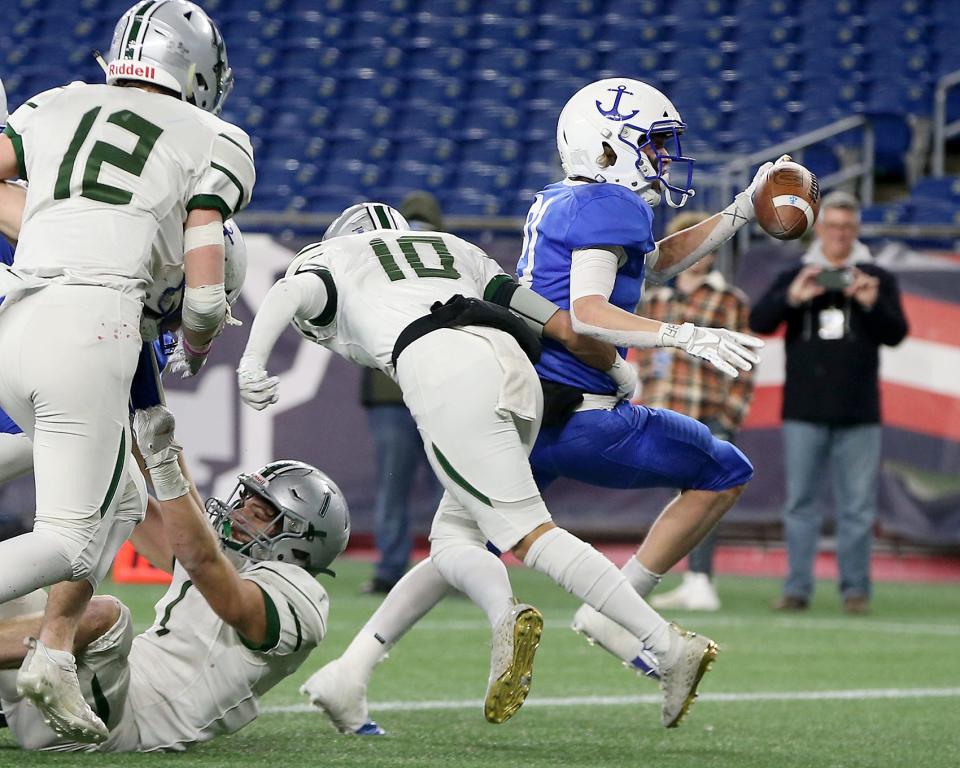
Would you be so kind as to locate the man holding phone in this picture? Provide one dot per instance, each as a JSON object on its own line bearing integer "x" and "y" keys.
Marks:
{"x": 839, "y": 308}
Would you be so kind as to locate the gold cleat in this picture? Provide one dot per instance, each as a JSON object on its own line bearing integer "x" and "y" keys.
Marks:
{"x": 515, "y": 642}
{"x": 691, "y": 657}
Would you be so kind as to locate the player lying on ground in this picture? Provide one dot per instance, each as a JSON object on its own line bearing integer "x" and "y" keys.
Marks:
{"x": 243, "y": 596}
{"x": 587, "y": 245}
{"x": 411, "y": 305}
{"x": 125, "y": 179}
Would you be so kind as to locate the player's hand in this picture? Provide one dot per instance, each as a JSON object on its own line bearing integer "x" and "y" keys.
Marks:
{"x": 745, "y": 198}
{"x": 186, "y": 360}
{"x": 624, "y": 375}
{"x": 153, "y": 428}
{"x": 725, "y": 350}
{"x": 257, "y": 388}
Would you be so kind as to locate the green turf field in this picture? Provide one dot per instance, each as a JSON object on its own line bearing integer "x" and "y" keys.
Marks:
{"x": 880, "y": 691}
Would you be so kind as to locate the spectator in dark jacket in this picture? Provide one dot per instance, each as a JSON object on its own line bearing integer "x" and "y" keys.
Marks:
{"x": 839, "y": 308}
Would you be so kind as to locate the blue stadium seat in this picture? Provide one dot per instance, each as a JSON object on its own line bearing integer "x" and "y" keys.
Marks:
{"x": 946, "y": 189}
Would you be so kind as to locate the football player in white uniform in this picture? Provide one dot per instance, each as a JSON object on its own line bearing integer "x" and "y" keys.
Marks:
{"x": 125, "y": 179}
{"x": 371, "y": 291}
{"x": 244, "y": 609}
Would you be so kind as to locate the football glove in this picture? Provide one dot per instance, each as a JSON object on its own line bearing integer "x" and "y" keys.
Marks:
{"x": 725, "y": 350}
{"x": 186, "y": 360}
{"x": 624, "y": 375}
{"x": 257, "y": 388}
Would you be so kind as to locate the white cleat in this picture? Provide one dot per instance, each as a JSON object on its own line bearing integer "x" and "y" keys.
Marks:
{"x": 688, "y": 659}
{"x": 343, "y": 697}
{"x": 606, "y": 633}
{"x": 53, "y": 688}
{"x": 515, "y": 641}
{"x": 695, "y": 593}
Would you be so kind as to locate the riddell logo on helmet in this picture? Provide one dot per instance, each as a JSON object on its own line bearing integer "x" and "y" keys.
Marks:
{"x": 131, "y": 69}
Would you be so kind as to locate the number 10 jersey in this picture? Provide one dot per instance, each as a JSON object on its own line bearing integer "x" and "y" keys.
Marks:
{"x": 113, "y": 172}
{"x": 379, "y": 282}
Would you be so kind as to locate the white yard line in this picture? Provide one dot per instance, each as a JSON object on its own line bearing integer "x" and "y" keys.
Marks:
{"x": 695, "y": 620}
{"x": 581, "y": 701}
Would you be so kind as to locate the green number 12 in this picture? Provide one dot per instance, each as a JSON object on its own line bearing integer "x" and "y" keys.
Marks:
{"x": 102, "y": 152}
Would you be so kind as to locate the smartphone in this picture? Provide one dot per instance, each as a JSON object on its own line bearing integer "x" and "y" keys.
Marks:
{"x": 835, "y": 279}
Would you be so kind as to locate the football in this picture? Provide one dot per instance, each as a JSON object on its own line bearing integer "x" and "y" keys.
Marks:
{"x": 787, "y": 201}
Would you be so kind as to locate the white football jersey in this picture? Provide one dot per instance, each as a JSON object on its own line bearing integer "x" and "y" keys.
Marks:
{"x": 379, "y": 282}
{"x": 112, "y": 173}
{"x": 193, "y": 677}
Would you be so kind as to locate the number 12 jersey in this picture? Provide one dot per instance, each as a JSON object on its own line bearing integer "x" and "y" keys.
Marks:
{"x": 113, "y": 172}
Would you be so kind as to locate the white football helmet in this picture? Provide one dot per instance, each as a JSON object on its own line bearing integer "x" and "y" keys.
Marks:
{"x": 365, "y": 217}
{"x": 627, "y": 115}
{"x": 164, "y": 297}
{"x": 173, "y": 44}
{"x": 312, "y": 526}
{"x": 3, "y": 106}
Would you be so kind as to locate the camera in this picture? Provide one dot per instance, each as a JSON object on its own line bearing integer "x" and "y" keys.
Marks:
{"x": 835, "y": 279}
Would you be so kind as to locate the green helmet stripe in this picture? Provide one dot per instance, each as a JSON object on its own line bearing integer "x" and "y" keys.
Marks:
{"x": 138, "y": 30}
{"x": 382, "y": 216}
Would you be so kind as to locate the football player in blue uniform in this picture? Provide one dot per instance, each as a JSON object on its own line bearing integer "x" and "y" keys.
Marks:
{"x": 588, "y": 246}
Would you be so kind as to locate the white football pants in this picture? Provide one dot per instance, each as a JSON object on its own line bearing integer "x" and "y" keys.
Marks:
{"x": 68, "y": 356}
{"x": 463, "y": 388}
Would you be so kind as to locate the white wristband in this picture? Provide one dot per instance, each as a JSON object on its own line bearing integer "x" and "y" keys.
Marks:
{"x": 168, "y": 480}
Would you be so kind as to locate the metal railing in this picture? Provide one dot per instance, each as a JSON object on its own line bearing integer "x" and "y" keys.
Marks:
{"x": 941, "y": 129}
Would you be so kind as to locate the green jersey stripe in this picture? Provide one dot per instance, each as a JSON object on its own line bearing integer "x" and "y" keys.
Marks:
{"x": 162, "y": 630}
{"x": 238, "y": 145}
{"x": 210, "y": 202}
{"x": 236, "y": 182}
{"x": 271, "y": 636}
{"x": 17, "y": 142}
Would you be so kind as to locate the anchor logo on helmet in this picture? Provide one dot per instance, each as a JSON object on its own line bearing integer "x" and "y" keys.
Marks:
{"x": 614, "y": 112}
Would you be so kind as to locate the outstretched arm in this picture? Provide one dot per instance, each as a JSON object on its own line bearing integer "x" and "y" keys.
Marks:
{"x": 237, "y": 601}
{"x": 303, "y": 295}
{"x": 592, "y": 275}
{"x": 682, "y": 249}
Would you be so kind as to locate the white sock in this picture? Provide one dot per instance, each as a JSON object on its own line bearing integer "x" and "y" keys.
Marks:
{"x": 640, "y": 577}
{"x": 479, "y": 574}
{"x": 580, "y": 569}
{"x": 411, "y": 598}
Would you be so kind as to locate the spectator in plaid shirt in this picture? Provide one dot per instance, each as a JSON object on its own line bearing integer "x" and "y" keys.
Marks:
{"x": 699, "y": 295}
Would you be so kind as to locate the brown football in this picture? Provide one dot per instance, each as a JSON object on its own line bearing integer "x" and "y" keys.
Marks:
{"x": 787, "y": 201}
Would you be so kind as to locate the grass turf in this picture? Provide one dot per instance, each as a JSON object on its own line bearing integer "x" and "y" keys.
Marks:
{"x": 909, "y": 642}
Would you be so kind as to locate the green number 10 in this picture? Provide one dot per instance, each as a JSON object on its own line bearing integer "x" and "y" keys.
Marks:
{"x": 131, "y": 162}
{"x": 409, "y": 251}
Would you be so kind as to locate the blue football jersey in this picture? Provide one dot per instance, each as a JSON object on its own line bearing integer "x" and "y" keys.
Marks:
{"x": 7, "y": 424}
{"x": 6, "y": 252}
{"x": 566, "y": 217}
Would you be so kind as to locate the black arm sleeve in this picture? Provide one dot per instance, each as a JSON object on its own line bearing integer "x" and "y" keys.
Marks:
{"x": 771, "y": 309}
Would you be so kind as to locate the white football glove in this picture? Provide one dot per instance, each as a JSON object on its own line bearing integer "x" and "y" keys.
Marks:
{"x": 185, "y": 360}
{"x": 257, "y": 388}
{"x": 154, "y": 427}
{"x": 745, "y": 199}
{"x": 624, "y": 375}
{"x": 725, "y": 350}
